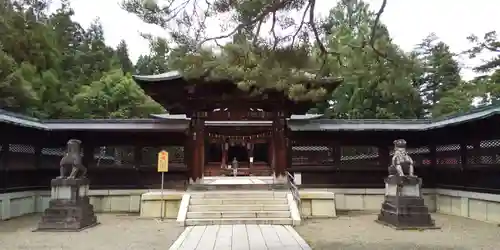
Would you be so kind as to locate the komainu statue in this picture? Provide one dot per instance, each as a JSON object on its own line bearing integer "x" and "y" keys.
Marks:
{"x": 404, "y": 206}
{"x": 69, "y": 207}
{"x": 72, "y": 160}
{"x": 401, "y": 160}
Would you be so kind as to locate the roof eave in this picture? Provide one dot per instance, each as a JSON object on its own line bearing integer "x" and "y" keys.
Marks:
{"x": 27, "y": 123}
{"x": 167, "y": 76}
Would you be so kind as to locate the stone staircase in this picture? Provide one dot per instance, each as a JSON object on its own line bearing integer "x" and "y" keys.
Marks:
{"x": 239, "y": 207}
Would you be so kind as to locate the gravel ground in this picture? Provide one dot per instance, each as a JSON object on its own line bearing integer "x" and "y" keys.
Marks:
{"x": 116, "y": 232}
{"x": 359, "y": 231}
{"x": 352, "y": 232}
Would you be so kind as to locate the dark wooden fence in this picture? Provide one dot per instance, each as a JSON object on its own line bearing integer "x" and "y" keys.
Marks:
{"x": 461, "y": 166}
{"x": 27, "y": 167}
{"x": 465, "y": 157}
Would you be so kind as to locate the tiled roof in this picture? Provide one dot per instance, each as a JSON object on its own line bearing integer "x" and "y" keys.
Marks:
{"x": 184, "y": 117}
{"x": 167, "y": 76}
{"x": 92, "y": 124}
{"x": 175, "y": 75}
{"x": 20, "y": 120}
{"x": 394, "y": 125}
{"x": 297, "y": 123}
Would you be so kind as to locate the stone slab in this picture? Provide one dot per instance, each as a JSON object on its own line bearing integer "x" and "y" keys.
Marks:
{"x": 69, "y": 182}
{"x": 239, "y": 237}
{"x": 405, "y": 213}
{"x": 316, "y": 195}
{"x": 167, "y": 195}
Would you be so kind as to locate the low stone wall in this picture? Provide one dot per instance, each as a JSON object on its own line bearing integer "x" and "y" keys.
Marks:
{"x": 478, "y": 206}
{"x": 317, "y": 204}
{"x": 20, "y": 203}
{"x": 366, "y": 198}
{"x": 114, "y": 201}
{"x": 151, "y": 204}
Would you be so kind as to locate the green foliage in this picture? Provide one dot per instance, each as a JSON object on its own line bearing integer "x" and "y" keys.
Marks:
{"x": 114, "y": 96}
{"x": 440, "y": 84}
{"x": 455, "y": 100}
{"x": 15, "y": 91}
{"x": 253, "y": 68}
{"x": 157, "y": 61}
{"x": 49, "y": 66}
{"x": 283, "y": 58}
{"x": 380, "y": 80}
{"x": 122, "y": 55}
{"x": 489, "y": 81}
{"x": 372, "y": 87}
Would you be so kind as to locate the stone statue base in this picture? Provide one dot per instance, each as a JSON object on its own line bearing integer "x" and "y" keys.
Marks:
{"x": 69, "y": 208}
{"x": 404, "y": 207}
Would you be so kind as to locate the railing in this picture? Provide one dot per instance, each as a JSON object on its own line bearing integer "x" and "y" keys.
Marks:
{"x": 295, "y": 191}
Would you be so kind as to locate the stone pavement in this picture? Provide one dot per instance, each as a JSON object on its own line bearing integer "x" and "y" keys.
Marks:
{"x": 240, "y": 237}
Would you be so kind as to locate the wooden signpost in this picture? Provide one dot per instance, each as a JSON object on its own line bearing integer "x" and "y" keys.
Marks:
{"x": 162, "y": 168}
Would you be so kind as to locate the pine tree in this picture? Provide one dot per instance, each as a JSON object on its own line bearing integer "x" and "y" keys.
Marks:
{"x": 123, "y": 57}
{"x": 372, "y": 87}
{"x": 440, "y": 79}
{"x": 261, "y": 47}
{"x": 489, "y": 80}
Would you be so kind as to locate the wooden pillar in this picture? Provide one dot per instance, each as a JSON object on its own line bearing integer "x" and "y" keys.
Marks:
{"x": 270, "y": 152}
{"x": 250, "y": 153}
{"x": 463, "y": 156}
{"x": 188, "y": 153}
{"x": 38, "y": 155}
{"x": 137, "y": 156}
{"x": 337, "y": 155}
{"x": 433, "y": 165}
{"x": 201, "y": 146}
{"x": 463, "y": 163}
{"x": 279, "y": 137}
{"x": 198, "y": 143}
{"x": 4, "y": 151}
{"x": 225, "y": 147}
{"x": 288, "y": 153}
{"x": 384, "y": 156}
{"x": 478, "y": 159}
{"x": 88, "y": 155}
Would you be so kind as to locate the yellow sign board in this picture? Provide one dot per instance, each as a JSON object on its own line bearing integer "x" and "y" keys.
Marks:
{"x": 163, "y": 161}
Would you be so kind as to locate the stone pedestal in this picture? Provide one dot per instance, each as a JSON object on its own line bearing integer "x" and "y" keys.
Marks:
{"x": 69, "y": 208}
{"x": 404, "y": 207}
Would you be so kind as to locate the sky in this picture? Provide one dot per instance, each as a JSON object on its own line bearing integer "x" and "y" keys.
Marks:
{"x": 408, "y": 21}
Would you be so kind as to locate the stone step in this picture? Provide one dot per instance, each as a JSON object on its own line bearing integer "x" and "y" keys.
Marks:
{"x": 232, "y": 187}
{"x": 63, "y": 220}
{"x": 232, "y": 221}
{"x": 238, "y": 201}
{"x": 241, "y": 207}
{"x": 237, "y": 194}
{"x": 238, "y": 214}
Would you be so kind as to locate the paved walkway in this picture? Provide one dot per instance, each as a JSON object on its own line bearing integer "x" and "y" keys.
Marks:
{"x": 240, "y": 237}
